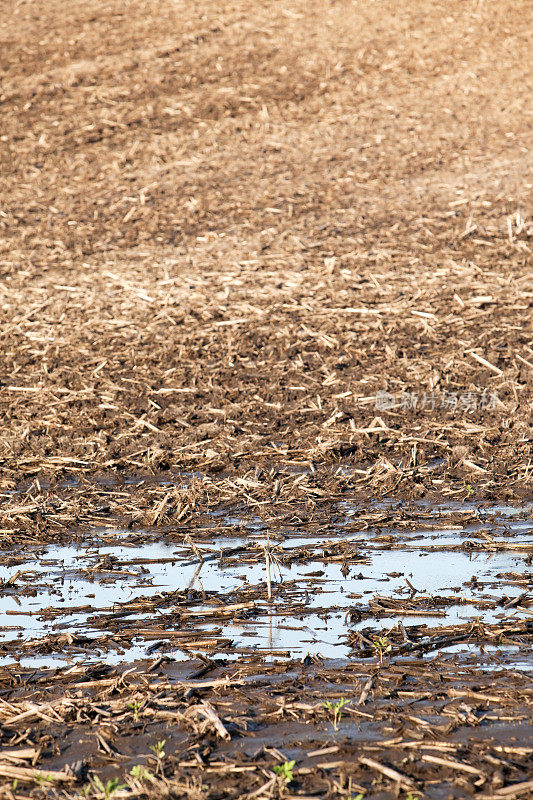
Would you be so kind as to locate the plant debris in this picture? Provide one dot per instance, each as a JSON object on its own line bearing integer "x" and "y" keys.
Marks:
{"x": 266, "y": 400}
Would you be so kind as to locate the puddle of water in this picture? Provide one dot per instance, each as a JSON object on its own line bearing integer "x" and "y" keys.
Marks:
{"x": 79, "y": 590}
{"x": 437, "y": 509}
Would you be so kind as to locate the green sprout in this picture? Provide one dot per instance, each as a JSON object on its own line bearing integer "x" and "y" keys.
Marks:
{"x": 44, "y": 778}
{"x": 158, "y": 749}
{"x": 108, "y": 789}
{"x": 336, "y": 709}
{"x": 135, "y": 707}
{"x": 285, "y": 771}
{"x": 382, "y": 645}
{"x": 140, "y": 773}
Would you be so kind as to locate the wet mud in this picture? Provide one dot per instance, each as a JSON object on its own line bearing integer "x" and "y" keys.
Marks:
{"x": 266, "y": 400}
{"x": 443, "y": 728}
{"x": 386, "y": 651}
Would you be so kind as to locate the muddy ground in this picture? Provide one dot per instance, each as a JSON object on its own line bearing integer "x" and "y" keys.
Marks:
{"x": 266, "y": 352}
{"x": 410, "y": 730}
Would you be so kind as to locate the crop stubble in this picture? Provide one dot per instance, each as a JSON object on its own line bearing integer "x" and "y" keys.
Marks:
{"x": 224, "y": 227}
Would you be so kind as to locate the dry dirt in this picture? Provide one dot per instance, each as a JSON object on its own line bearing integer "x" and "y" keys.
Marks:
{"x": 226, "y": 226}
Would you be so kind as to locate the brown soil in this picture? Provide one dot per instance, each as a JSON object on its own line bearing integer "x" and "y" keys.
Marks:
{"x": 413, "y": 730}
{"x": 225, "y": 229}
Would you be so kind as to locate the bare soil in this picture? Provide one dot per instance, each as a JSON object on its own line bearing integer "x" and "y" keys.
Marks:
{"x": 260, "y": 259}
{"x": 225, "y": 227}
{"x": 413, "y": 729}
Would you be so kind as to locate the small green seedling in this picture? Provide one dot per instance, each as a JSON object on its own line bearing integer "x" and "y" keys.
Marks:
{"x": 15, "y": 784}
{"x": 285, "y": 771}
{"x": 135, "y": 707}
{"x": 159, "y": 749}
{"x": 108, "y": 788}
{"x": 140, "y": 773}
{"x": 382, "y": 645}
{"x": 336, "y": 709}
{"x": 44, "y": 778}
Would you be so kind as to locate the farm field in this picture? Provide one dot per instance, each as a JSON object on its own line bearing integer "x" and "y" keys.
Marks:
{"x": 266, "y": 384}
